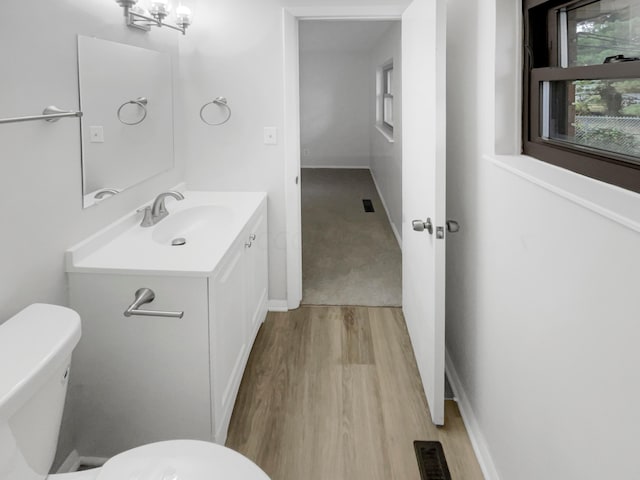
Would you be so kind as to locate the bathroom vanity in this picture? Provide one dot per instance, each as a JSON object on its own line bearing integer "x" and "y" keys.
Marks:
{"x": 147, "y": 377}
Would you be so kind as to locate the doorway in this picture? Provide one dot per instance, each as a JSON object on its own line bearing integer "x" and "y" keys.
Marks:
{"x": 351, "y": 162}
{"x": 423, "y": 216}
{"x": 292, "y": 16}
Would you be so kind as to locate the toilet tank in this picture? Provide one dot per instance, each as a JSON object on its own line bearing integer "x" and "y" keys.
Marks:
{"x": 35, "y": 353}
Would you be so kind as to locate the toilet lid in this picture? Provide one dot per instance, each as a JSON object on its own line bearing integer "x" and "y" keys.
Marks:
{"x": 180, "y": 460}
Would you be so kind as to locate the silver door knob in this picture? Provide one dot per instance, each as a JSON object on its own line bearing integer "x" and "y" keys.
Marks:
{"x": 453, "y": 226}
{"x": 420, "y": 226}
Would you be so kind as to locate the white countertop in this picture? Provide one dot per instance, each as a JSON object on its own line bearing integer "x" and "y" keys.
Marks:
{"x": 125, "y": 247}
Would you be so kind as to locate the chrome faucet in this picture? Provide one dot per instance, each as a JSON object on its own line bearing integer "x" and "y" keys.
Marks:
{"x": 100, "y": 194}
{"x": 156, "y": 212}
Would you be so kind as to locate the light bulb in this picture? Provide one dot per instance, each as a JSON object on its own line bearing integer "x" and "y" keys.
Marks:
{"x": 160, "y": 8}
{"x": 140, "y": 10}
{"x": 183, "y": 16}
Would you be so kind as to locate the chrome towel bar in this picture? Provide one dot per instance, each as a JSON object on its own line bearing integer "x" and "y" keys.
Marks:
{"x": 50, "y": 114}
{"x": 146, "y": 295}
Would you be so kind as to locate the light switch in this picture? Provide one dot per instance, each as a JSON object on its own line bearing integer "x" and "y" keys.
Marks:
{"x": 96, "y": 134}
{"x": 270, "y": 136}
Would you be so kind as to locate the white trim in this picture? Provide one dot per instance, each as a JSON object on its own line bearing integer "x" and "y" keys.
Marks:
{"x": 380, "y": 12}
{"x": 291, "y": 75}
{"x": 278, "y": 306}
{"x": 384, "y": 131}
{"x": 71, "y": 463}
{"x": 564, "y": 38}
{"x": 74, "y": 460}
{"x": 478, "y": 442}
{"x": 546, "y": 109}
{"x": 384, "y": 204}
{"x": 350, "y": 167}
{"x": 506, "y": 81}
{"x": 617, "y": 204}
{"x": 93, "y": 461}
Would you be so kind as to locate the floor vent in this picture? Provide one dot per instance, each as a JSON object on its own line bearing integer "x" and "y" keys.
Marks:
{"x": 368, "y": 205}
{"x": 431, "y": 461}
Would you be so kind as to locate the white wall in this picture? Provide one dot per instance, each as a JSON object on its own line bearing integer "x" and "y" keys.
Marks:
{"x": 235, "y": 49}
{"x": 41, "y": 193}
{"x": 386, "y": 157}
{"x": 542, "y": 281}
{"x": 335, "y": 103}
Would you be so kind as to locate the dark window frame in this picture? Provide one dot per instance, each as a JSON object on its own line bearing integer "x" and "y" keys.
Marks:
{"x": 541, "y": 64}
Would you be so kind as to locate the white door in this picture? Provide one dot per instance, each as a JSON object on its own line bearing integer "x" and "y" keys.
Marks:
{"x": 423, "y": 184}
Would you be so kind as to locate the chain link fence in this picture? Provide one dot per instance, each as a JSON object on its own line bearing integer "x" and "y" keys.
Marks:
{"x": 615, "y": 134}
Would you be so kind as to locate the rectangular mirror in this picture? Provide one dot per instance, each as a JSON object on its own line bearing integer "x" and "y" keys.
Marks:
{"x": 126, "y": 96}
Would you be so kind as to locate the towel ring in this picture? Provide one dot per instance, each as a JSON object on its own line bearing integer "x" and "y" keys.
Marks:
{"x": 221, "y": 102}
{"x": 141, "y": 102}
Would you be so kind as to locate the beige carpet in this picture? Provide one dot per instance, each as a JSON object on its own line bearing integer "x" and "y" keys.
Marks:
{"x": 349, "y": 257}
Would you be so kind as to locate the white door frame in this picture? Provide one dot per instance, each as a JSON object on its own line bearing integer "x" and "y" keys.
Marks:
{"x": 291, "y": 17}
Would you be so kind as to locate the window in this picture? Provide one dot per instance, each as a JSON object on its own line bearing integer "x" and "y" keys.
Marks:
{"x": 384, "y": 99}
{"x": 387, "y": 96}
{"x": 581, "y": 106}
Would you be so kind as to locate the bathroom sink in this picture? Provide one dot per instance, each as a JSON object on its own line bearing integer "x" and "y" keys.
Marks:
{"x": 195, "y": 223}
{"x": 190, "y": 241}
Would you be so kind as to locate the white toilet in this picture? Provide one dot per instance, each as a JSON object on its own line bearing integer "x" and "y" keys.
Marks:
{"x": 35, "y": 353}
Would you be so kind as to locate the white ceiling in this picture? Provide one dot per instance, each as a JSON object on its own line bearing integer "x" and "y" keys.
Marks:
{"x": 341, "y": 35}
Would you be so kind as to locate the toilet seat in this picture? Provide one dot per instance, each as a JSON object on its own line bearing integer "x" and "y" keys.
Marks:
{"x": 180, "y": 460}
{"x": 174, "y": 460}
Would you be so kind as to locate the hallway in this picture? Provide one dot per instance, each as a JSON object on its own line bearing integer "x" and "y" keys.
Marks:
{"x": 349, "y": 256}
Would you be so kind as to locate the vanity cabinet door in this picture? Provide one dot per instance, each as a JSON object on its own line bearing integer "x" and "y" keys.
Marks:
{"x": 238, "y": 305}
{"x": 228, "y": 335}
{"x": 256, "y": 264}
{"x": 137, "y": 380}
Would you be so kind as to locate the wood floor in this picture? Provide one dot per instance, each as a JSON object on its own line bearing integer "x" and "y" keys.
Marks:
{"x": 333, "y": 393}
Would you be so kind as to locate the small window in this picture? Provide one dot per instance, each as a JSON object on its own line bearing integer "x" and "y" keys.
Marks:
{"x": 387, "y": 96}
{"x": 384, "y": 99}
{"x": 581, "y": 105}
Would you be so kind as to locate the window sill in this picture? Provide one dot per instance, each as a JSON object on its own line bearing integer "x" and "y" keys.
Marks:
{"x": 386, "y": 133}
{"x": 617, "y": 204}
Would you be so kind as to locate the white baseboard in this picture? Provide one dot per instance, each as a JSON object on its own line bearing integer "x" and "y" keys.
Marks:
{"x": 478, "y": 442}
{"x": 397, "y": 235}
{"x": 71, "y": 463}
{"x": 93, "y": 461}
{"x": 357, "y": 167}
{"x": 74, "y": 460}
{"x": 278, "y": 306}
{"x": 386, "y": 209}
